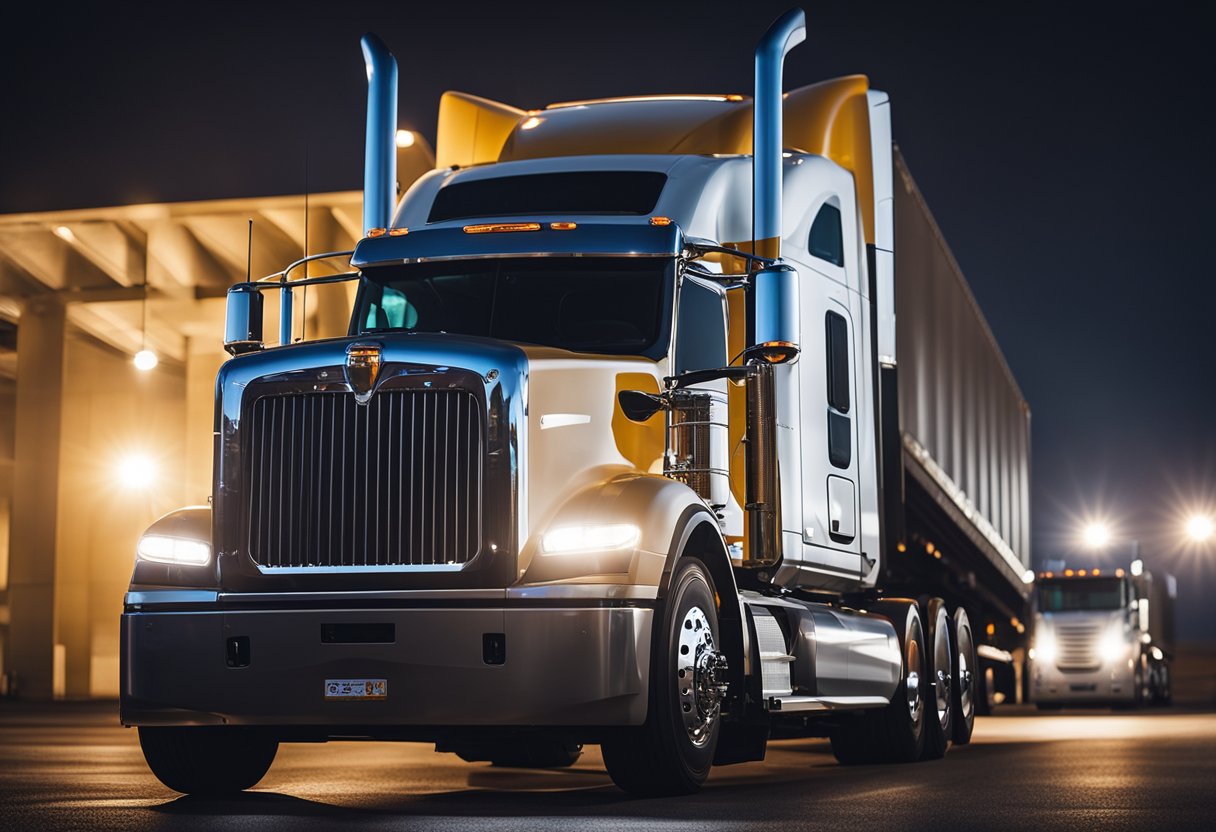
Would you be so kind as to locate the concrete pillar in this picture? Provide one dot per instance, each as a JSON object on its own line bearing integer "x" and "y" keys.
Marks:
{"x": 40, "y": 351}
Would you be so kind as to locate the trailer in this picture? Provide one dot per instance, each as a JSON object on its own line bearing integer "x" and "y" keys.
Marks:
{"x": 624, "y": 446}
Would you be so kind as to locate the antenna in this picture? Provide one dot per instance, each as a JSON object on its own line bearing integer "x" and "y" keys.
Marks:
{"x": 304, "y": 298}
{"x": 249, "y": 254}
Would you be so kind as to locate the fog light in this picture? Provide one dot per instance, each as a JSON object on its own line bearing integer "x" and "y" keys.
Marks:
{"x": 179, "y": 551}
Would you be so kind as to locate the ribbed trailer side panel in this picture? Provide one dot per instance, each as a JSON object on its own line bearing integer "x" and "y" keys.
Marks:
{"x": 965, "y": 425}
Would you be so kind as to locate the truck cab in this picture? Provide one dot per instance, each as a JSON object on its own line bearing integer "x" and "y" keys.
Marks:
{"x": 1095, "y": 642}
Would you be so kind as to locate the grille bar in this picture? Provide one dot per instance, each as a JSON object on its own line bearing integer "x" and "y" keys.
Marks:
{"x": 1077, "y": 646}
{"x": 395, "y": 482}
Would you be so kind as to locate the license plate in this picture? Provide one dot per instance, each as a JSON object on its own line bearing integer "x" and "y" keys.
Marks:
{"x": 356, "y": 689}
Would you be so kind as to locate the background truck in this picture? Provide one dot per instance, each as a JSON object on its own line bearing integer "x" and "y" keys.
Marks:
{"x": 623, "y": 446}
{"x": 1103, "y": 637}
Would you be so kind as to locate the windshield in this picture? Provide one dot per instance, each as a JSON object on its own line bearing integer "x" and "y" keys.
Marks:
{"x": 1082, "y": 594}
{"x": 618, "y": 306}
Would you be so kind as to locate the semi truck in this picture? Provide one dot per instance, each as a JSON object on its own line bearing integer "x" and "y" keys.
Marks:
{"x": 623, "y": 447}
{"x": 1103, "y": 637}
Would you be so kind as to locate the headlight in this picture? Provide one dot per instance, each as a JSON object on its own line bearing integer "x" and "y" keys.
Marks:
{"x": 571, "y": 539}
{"x": 179, "y": 551}
{"x": 1045, "y": 648}
{"x": 1113, "y": 646}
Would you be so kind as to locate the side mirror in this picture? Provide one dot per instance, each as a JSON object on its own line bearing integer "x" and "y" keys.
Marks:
{"x": 638, "y": 406}
{"x": 775, "y": 293}
{"x": 243, "y": 321}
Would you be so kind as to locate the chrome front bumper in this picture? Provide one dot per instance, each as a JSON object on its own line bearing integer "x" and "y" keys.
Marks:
{"x": 569, "y": 661}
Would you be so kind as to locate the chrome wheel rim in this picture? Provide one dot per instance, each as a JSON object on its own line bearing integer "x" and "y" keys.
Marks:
{"x": 912, "y": 681}
{"x": 965, "y": 694}
{"x": 700, "y": 676}
{"x": 941, "y": 672}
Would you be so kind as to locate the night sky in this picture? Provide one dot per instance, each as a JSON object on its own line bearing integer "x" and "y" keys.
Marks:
{"x": 1064, "y": 150}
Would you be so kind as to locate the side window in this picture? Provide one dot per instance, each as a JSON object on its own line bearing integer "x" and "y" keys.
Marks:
{"x": 700, "y": 328}
{"x": 838, "y": 362}
{"x": 827, "y": 237}
{"x": 840, "y": 433}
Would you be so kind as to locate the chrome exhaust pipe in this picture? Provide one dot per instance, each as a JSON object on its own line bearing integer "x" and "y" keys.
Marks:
{"x": 380, "y": 146}
{"x": 787, "y": 32}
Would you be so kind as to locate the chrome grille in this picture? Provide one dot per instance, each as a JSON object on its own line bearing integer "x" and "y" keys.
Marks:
{"x": 395, "y": 482}
{"x": 1077, "y": 645}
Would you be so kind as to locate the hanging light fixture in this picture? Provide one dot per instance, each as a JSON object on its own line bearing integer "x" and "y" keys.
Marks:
{"x": 145, "y": 359}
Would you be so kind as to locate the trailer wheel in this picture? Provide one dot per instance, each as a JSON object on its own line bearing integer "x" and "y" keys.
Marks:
{"x": 965, "y": 677}
{"x": 896, "y": 733}
{"x": 207, "y": 760}
{"x": 939, "y": 725}
{"x": 671, "y": 753}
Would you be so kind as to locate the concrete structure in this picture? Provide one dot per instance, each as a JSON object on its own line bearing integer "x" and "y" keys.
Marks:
{"x": 92, "y": 449}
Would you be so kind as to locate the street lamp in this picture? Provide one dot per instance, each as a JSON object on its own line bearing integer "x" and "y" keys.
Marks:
{"x": 1096, "y": 535}
{"x": 1199, "y": 528}
{"x": 136, "y": 472}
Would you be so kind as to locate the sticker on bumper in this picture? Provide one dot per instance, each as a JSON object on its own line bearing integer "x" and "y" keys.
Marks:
{"x": 356, "y": 689}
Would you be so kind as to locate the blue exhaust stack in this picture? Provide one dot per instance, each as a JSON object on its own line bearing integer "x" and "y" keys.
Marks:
{"x": 380, "y": 149}
{"x": 787, "y": 32}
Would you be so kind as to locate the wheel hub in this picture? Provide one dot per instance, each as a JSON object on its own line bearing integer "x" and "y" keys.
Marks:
{"x": 700, "y": 676}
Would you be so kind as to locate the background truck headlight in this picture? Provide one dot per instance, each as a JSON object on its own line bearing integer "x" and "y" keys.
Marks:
{"x": 179, "y": 551}
{"x": 1113, "y": 646}
{"x": 1045, "y": 648}
{"x": 572, "y": 539}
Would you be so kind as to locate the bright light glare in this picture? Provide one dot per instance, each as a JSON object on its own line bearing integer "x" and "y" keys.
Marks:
{"x": 146, "y": 360}
{"x": 1199, "y": 528}
{"x": 531, "y": 122}
{"x": 1028, "y": 576}
{"x": 1045, "y": 648}
{"x": 136, "y": 472}
{"x": 571, "y": 539}
{"x": 1096, "y": 535}
{"x": 1113, "y": 646}
{"x": 64, "y": 233}
{"x": 405, "y": 138}
{"x": 164, "y": 549}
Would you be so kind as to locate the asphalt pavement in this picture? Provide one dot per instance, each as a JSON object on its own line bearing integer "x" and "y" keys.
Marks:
{"x": 70, "y": 766}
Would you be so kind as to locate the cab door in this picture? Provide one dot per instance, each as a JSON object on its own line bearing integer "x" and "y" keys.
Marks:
{"x": 829, "y": 393}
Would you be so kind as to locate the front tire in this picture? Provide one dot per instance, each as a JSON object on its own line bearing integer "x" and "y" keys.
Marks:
{"x": 672, "y": 752}
{"x": 207, "y": 760}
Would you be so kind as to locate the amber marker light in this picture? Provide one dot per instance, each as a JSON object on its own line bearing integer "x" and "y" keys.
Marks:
{"x": 398, "y": 232}
{"x": 563, "y": 226}
{"x": 776, "y": 352}
{"x": 497, "y": 227}
{"x": 660, "y": 220}
{"x": 530, "y": 123}
{"x": 377, "y": 232}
